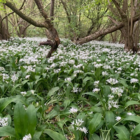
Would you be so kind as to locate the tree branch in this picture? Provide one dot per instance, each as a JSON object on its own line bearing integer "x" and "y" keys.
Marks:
{"x": 23, "y": 16}
{"x": 13, "y": 12}
{"x": 121, "y": 12}
{"x": 105, "y": 32}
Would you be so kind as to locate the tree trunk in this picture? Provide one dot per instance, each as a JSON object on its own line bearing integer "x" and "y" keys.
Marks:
{"x": 4, "y": 34}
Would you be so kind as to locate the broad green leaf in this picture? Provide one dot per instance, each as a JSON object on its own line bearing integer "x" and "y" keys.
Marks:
{"x": 96, "y": 109}
{"x": 67, "y": 102}
{"x": 54, "y": 135}
{"x": 37, "y": 135}
{"x": 14, "y": 88}
{"x": 123, "y": 82}
{"x": 92, "y": 94}
{"x": 123, "y": 133}
{"x": 7, "y": 131}
{"x": 94, "y": 137}
{"x": 62, "y": 122}
{"x": 52, "y": 91}
{"x": 31, "y": 117}
{"x": 93, "y": 124}
{"x": 109, "y": 119}
{"x": 4, "y": 102}
{"x": 131, "y": 103}
{"x": 136, "y": 130}
{"x": 20, "y": 120}
{"x": 86, "y": 79}
{"x": 133, "y": 118}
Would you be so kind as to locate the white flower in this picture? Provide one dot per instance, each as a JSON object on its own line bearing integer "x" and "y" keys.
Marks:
{"x": 118, "y": 118}
{"x": 105, "y": 50}
{"x": 23, "y": 93}
{"x": 96, "y": 90}
{"x": 71, "y": 61}
{"x": 117, "y": 91}
{"x": 27, "y": 137}
{"x": 104, "y": 73}
{"x": 5, "y": 76}
{"x": 134, "y": 80}
{"x": 3, "y": 121}
{"x": 73, "y": 110}
{"x": 32, "y": 91}
{"x": 14, "y": 78}
{"x": 96, "y": 83}
{"x": 77, "y": 122}
{"x": 129, "y": 113}
{"x": 84, "y": 129}
{"x": 112, "y": 81}
{"x": 68, "y": 79}
{"x": 106, "y": 67}
{"x": 110, "y": 96}
{"x": 97, "y": 65}
{"x": 27, "y": 76}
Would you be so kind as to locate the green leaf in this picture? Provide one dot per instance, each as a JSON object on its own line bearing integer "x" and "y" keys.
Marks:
{"x": 7, "y": 131}
{"x": 20, "y": 120}
{"x": 123, "y": 82}
{"x": 136, "y": 130}
{"x": 109, "y": 119}
{"x": 52, "y": 91}
{"x": 92, "y": 94}
{"x": 131, "y": 103}
{"x": 94, "y": 137}
{"x": 4, "y": 102}
{"x": 54, "y": 135}
{"x": 37, "y": 135}
{"x": 93, "y": 124}
{"x": 31, "y": 117}
{"x": 96, "y": 109}
{"x": 67, "y": 102}
{"x": 86, "y": 79}
{"x": 123, "y": 133}
{"x": 133, "y": 118}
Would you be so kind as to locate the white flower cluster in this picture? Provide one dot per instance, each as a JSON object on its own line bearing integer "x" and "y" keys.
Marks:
{"x": 112, "y": 103}
{"x": 118, "y": 118}
{"x": 96, "y": 83}
{"x": 68, "y": 79}
{"x": 5, "y": 76}
{"x": 117, "y": 91}
{"x": 75, "y": 90}
{"x": 73, "y": 110}
{"x": 14, "y": 77}
{"x": 27, "y": 137}
{"x": 23, "y": 93}
{"x": 96, "y": 90}
{"x": 3, "y": 121}
{"x": 98, "y": 65}
{"x": 77, "y": 124}
{"x": 112, "y": 81}
{"x": 134, "y": 80}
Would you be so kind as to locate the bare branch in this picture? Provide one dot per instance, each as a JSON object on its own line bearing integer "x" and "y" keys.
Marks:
{"x": 23, "y": 16}
{"x": 13, "y": 12}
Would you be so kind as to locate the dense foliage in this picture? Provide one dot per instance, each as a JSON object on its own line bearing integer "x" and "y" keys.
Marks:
{"x": 89, "y": 91}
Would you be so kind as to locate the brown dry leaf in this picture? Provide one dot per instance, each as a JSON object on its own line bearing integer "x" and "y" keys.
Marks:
{"x": 49, "y": 109}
